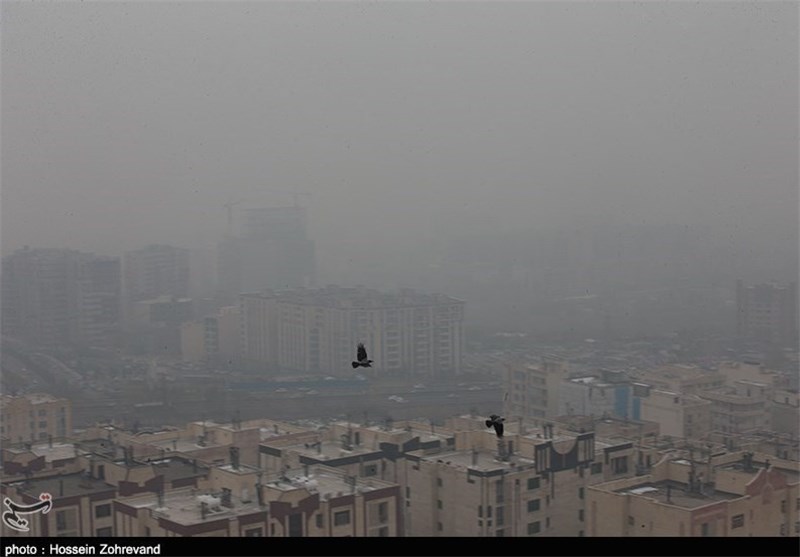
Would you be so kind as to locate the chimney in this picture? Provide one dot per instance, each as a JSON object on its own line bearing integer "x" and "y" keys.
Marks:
{"x": 226, "y": 498}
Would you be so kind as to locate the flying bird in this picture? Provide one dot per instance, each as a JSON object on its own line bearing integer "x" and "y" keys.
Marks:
{"x": 363, "y": 360}
{"x": 496, "y": 422}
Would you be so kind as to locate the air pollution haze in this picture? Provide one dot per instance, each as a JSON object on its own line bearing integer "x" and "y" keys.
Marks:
{"x": 300, "y": 269}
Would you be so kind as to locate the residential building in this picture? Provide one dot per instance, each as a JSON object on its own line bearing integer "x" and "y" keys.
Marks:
{"x": 272, "y": 251}
{"x": 214, "y": 338}
{"x": 307, "y": 330}
{"x": 681, "y": 378}
{"x": 82, "y": 506}
{"x": 155, "y": 325}
{"x": 527, "y": 484}
{"x": 61, "y": 297}
{"x": 740, "y": 408}
{"x": 725, "y": 495}
{"x": 156, "y": 270}
{"x": 767, "y": 313}
{"x": 683, "y": 416}
{"x": 534, "y": 388}
{"x": 605, "y": 394}
{"x": 34, "y": 417}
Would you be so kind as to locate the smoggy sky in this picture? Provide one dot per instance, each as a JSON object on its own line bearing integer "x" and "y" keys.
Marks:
{"x": 125, "y": 123}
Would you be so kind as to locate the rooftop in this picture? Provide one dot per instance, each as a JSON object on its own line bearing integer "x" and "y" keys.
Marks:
{"x": 480, "y": 460}
{"x": 64, "y": 485}
{"x": 675, "y": 493}
{"x": 325, "y": 481}
{"x": 184, "y": 506}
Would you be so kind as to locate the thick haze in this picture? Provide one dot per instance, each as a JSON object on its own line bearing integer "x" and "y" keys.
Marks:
{"x": 411, "y": 124}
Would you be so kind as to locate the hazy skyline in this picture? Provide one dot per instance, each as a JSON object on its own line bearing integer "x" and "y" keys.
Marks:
{"x": 131, "y": 123}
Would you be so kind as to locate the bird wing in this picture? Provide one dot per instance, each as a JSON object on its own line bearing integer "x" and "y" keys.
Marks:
{"x": 362, "y": 353}
{"x": 489, "y": 423}
{"x": 498, "y": 428}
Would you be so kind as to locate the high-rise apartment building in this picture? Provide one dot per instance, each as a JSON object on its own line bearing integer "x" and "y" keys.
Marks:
{"x": 767, "y": 312}
{"x": 156, "y": 270}
{"x": 273, "y": 251}
{"x": 57, "y": 297}
{"x": 318, "y": 330}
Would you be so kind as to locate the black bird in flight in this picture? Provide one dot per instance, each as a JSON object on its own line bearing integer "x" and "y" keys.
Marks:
{"x": 363, "y": 361}
{"x": 496, "y": 422}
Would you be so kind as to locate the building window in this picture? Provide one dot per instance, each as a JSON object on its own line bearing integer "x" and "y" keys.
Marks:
{"x": 619, "y": 465}
{"x": 547, "y": 522}
{"x": 61, "y": 520}
{"x": 737, "y": 521}
{"x": 533, "y": 483}
{"x": 383, "y": 512}
{"x": 42, "y": 412}
{"x": 253, "y": 533}
{"x": 630, "y": 521}
{"x": 341, "y": 518}
{"x": 439, "y": 482}
{"x": 704, "y": 529}
{"x": 534, "y": 505}
{"x": 383, "y": 532}
{"x": 102, "y": 510}
{"x": 439, "y": 526}
{"x": 783, "y": 506}
{"x": 580, "y": 493}
{"x": 500, "y": 516}
{"x": 104, "y": 532}
{"x": 371, "y": 470}
{"x": 597, "y": 467}
{"x": 500, "y": 533}
{"x": 438, "y": 503}
{"x": 320, "y": 520}
{"x": 146, "y": 531}
{"x": 580, "y": 515}
{"x": 534, "y": 528}
{"x": 783, "y": 529}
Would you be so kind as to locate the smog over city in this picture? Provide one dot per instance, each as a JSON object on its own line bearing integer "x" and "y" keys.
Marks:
{"x": 368, "y": 248}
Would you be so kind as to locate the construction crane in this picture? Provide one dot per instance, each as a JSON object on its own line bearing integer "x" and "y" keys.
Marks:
{"x": 229, "y": 206}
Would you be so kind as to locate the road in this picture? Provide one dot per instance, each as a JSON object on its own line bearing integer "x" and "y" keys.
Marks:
{"x": 435, "y": 405}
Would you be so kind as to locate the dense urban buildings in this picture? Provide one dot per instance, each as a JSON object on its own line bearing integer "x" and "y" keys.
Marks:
{"x": 58, "y": 297}
{"x": 156, "y": 270}
{"x": 768, "y": 313}
{"x": 273, "y": 251}
{"x": 316, "y": 330}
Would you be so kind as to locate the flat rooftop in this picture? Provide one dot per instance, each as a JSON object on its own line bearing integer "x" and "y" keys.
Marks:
{"x": 482, "y": 460}
{"x": 184, "y": 506}
{"x": 673, "y": 492}
{"x": 65, "y": 485}
{"x": 325, "y": 481}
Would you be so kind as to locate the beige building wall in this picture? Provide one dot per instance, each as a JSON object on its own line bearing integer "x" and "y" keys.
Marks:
{"x": 259, "y": 322}
{"x": 533, "y": 389}
{"x": 193, "y": 341}
{"x": 678, "y": 415}
{"x": 34, "y": 417}
{"x": 682, "y": 378}
{"x": 759, "y": 502}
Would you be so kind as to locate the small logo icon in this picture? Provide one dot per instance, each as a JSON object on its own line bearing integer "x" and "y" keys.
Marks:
{"x": 12, "y": 519}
